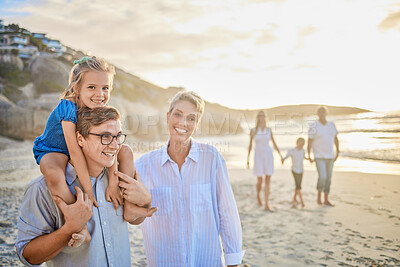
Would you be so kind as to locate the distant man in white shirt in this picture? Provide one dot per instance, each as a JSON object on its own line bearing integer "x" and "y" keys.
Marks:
{"x": 322, "y": 136}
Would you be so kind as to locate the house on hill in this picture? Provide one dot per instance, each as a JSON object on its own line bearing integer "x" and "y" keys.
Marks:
{"x": 17, "y": 41}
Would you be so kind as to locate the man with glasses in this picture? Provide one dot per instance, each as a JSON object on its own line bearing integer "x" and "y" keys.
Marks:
{"x": 44, "y": 229}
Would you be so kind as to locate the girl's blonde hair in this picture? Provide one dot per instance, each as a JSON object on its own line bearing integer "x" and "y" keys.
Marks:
{"x": 260, "y": 113}
{"x": 191, "y": 97}
{"x": 84, "y": 65}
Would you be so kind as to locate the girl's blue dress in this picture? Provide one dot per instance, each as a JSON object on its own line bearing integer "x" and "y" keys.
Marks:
{"x": 52, "y": 139}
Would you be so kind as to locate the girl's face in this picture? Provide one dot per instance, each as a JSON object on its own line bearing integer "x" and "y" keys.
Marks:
{"x": 261, "y": 119}
{"x": 182, "y": 121}
{"x": 95, "y": 89}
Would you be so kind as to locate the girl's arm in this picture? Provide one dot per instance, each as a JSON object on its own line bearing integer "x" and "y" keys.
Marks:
{"x": 275, "y": 146}
{"x": 250, "y": 146}
{"x": 78, "y": 159}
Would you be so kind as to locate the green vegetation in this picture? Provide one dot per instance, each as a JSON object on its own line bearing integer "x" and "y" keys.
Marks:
{"x": 49, "y": 87}
{"x": 13, "y": 75}
{"x": 12, "y": 78}
{"x": 38, "y": 43}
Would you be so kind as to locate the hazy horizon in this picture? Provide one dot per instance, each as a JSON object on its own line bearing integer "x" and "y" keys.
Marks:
{"x": 245, "y": 54}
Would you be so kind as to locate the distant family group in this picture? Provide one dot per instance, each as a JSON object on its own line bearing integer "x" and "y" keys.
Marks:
{"x": 76, "y": 213}
{"x": 322, "y": 137}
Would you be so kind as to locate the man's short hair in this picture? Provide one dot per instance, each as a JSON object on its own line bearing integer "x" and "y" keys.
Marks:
{"x": 320, "y": 108}
{"x": 87, "y": 118}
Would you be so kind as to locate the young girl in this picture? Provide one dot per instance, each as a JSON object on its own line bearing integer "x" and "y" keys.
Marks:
{"x": 90, "y": 84}
{"x": 298, "y": 155}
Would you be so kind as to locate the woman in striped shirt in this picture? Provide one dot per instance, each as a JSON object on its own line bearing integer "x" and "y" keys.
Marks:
{"x": 189, "y": 184}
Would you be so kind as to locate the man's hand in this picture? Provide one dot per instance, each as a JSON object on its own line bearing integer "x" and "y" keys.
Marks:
{"x": 78, "y": 214}
{"x": 133, "y": 190}
{"x": 337, "y": 155}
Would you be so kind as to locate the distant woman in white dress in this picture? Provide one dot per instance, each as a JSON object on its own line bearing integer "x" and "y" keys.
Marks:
{"x": 263, "y": 158}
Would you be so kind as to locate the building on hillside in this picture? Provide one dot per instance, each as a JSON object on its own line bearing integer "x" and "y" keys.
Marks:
{"x": 2, "y": 26}
{"x": 38, "y": 35}
{"x": 56, "y": 47}
{"x": 17, "y": 41}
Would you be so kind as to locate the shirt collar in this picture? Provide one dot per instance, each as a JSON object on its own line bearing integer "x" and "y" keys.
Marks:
{"x": 193, "y": 153}
{"x": 70, "y": 174}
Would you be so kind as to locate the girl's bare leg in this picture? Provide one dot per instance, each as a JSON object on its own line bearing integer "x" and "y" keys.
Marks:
{"x": 258, "y": 187}
{"x": 53, "y": 165}
{"x": 294, "y": 202}
{"x": 266, "y": 192}
{"x": 301, "y": 198}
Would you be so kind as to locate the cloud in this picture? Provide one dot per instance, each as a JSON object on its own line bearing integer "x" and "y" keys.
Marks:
{"x": 305, "y": 66}
{"x": 266, "y": 38}
{"x": 303, "y": 33}
{"x": 140, "y": 34}
{"x": 392, "y": 21}
{"x": 262, "y": 1}
{"x": 242, "y": 70}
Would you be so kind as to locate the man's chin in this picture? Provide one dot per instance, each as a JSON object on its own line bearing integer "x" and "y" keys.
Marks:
{"x": 108, "y": 164}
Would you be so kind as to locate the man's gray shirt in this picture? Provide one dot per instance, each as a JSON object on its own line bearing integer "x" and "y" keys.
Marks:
{"x": 39, "y": 215}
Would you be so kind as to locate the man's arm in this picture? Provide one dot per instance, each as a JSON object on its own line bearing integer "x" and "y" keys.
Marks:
{"x": 337, "y": 147}
{"x": 309, "y": 145}
{"x": 46, "y": 247}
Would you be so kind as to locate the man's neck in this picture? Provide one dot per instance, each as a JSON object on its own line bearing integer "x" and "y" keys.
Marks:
{"x": 323, "y": 121}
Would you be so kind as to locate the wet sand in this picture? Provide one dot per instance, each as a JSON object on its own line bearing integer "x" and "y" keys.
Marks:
{"x": 363, "y": 229}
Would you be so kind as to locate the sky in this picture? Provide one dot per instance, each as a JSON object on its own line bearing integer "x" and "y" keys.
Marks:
{"x": 247, "y": 54}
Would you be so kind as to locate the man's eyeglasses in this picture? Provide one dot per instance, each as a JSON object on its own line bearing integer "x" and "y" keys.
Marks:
{"x": 107, "y": 139}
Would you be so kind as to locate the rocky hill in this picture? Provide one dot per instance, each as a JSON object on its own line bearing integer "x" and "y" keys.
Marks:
{"x": 29, "y": 94}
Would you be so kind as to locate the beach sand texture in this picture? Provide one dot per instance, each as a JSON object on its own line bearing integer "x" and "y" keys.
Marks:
{"x": 363, "y": 229}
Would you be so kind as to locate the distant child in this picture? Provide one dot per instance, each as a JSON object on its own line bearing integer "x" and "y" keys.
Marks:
{"x": 90, "y": 84}
{"x": 298, "y": 155}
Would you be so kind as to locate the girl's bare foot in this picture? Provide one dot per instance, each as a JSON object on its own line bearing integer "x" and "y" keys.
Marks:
{"x": 259, "y": 200}
{"x": 294, "y": 204}
{"x": 267, "y": 208}
{"x": 302, "y": 205}
{"x": 78, "y": 239}
{"x": 327, "y": 203}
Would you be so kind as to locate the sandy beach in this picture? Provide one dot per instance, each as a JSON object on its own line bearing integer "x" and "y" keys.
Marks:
{"x": 363, "y": 229}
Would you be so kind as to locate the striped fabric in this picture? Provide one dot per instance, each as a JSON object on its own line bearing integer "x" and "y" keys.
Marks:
{"x": 195, "y": 208}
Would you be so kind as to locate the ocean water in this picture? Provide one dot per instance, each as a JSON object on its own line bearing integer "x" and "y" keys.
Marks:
{"x": 369, "y": 142}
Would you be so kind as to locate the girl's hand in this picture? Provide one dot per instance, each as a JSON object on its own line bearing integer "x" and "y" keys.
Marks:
{"x": 113, "y": 194}
{"x": 92, "y": 198}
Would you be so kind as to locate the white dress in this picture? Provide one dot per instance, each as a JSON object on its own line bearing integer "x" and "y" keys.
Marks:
{"x": 263, "y": 158}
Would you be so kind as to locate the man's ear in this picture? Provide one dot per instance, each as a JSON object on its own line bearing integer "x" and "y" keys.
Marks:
{"x": 80, "y": 139}
{"x": 167, "y": 117}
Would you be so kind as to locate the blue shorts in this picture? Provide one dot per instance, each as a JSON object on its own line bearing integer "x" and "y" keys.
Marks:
{"x": 39, "y": 153}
